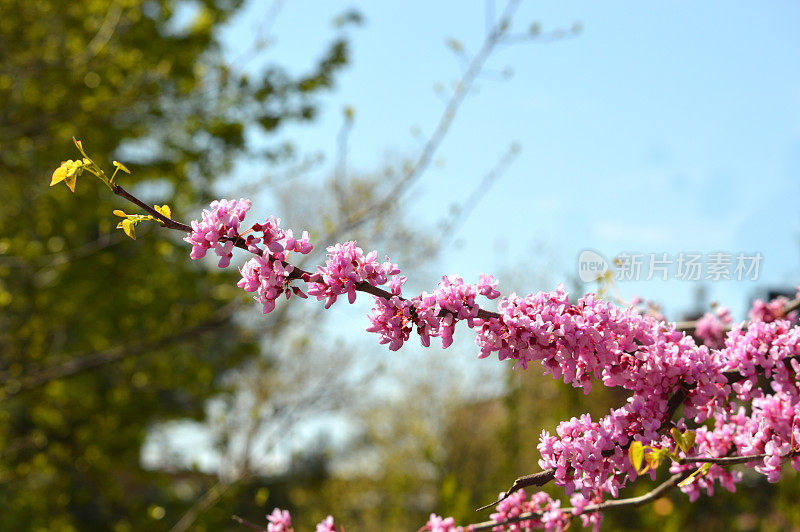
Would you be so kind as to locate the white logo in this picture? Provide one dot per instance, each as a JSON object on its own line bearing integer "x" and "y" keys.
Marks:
{"x": 591, "y": 266}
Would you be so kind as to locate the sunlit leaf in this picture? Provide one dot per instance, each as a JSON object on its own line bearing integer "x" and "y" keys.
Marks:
{"x": 60, "y": 174}
{"x": 121, "y": 166}
{"x": 688, "y": 439}
{"x": 70, "y": 181}
{"x": 129, "y": 227}
{"x": 636, "y": 454}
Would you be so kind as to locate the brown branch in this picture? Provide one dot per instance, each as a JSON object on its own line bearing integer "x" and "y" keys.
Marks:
{"x": 732, "y": 460}
{"x": 632, "y": 502}
{"x": 248, "y": 524}
{"x": 690, "y": 326}
{"x": 79, "y": 364}
{"x": 536, "y": 479}
{"x": 168, "y": 222}
{"x": 297, "y": 272}
{"x": 650, "y": 496}
{"x": 543, "y": 477}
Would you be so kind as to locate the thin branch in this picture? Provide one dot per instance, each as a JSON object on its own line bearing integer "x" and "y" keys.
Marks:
{"x": 209, "y": 498}
{"x": 543, "y": 477}
{"x": 536, "y": 479}
{"x": 650, "y": 496}
{"x": 168, "y": 222}
{"x": 632, "y": 502}
{"x": 79, "y": 364}
{"x": 462, "y": 87}
{"x": 103, "y": 35}
{"x": 691, "y": 326}
{"x": 548, "y": 37}
{"x": 248, "y": 524}
{"x": 340, "y": 169}
{"x": 732, "y": 460}
{"x": 463, "y": 211}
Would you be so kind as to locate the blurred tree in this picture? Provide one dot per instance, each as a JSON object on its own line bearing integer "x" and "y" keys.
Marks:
{"x": 98, "y": 341}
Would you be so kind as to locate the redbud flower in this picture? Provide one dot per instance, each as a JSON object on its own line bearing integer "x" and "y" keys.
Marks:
{"x": 218, "y": 229}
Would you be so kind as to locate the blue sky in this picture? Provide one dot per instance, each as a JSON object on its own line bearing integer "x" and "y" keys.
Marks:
{"x": 669, "y": 128}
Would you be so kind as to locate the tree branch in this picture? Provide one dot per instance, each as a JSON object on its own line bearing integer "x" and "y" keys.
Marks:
{"x": 248, "y": 524}
{"x": 632, "y": 502}
{"x": 78, "y": 364}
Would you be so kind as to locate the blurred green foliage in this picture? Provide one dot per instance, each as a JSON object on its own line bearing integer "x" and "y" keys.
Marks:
{"x": 101, "y": 338}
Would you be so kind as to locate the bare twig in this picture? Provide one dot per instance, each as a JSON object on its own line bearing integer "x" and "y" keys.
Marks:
{"x": 691, "y": 326}
{"x": 209, "y": 498}
{"x": 462, "y": 87}
{"x": 79, "y": 364}
{"x": 248, "y": 524}
{"x": 103, "y": 34}
{"x": 463, "y": 211}
{"x": 648, "y": 497}
{"x": 632, "y": 502}
{"x": 168, "y": 222}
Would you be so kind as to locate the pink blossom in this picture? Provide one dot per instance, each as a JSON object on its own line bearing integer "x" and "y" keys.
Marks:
{"x": 548, "y": 513}
{"x": 279, "y": 521}
{"x": 347, "y": 266}
{"x": 326, "y": 525}
{"x": 218, "y": 229}
{"x": 439, "y": 524}
{"x": 711, "y": 327}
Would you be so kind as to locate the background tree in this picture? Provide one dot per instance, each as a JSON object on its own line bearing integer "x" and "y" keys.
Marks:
{"x": 99, "y": 341}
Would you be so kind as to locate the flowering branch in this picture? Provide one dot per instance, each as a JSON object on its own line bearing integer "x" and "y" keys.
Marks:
{"x": 577, "y": 342}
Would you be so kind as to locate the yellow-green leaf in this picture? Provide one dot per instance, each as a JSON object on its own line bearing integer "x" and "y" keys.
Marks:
{"x": 121, "y": 167}
{"x": 653, "y": 459}
{"x": 688, "y": 439}
{"x": 677, "y": 436}
{"x": 636, "y": 454}
{"x": 166, "y": 211}
{"x": 70, "y": 180}
{"x": 60, "y": 174}
{"x": 128, "y": 227}
{"x": 119, "y": 213}
{"x": 688, "y": 480}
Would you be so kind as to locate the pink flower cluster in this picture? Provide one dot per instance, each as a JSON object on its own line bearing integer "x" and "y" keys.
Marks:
{"x": 595, "y": 340}
{"x": 268, "y": 273}
{"x": 714, "y": 443}
{"x": 549, "y": 514}
{"x": 711, "y": 327}
{"x": 590, "y": 340}
{"x": 346, "y": 267}
{"x": 281, "y": 521}
{"x": 579, "y": 454}
{"x": 434, "y": 314}
{"x": 439, "y": 524}
{"x": 326, "y": 525}
{"x": 588, "y": 519}
{"x": 768, "y": 311}
{"x": 589, "y": 456}
{"x": 218, "y": 229}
